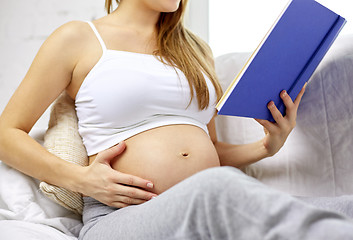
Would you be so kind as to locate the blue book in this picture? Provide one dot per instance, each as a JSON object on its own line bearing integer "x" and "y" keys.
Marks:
{"x": 284, "y": 60}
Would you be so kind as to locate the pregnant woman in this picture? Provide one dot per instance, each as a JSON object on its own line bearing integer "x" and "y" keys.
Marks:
{"x": 145, "y": 91}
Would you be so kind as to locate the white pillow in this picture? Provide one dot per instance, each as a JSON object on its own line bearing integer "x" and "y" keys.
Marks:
{"x": 63, "y": 140}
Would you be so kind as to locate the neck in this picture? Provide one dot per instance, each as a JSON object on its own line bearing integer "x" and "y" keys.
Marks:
{"x": 137, "y": 16}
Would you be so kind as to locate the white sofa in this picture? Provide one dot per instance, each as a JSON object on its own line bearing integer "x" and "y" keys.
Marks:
{"x": 317, "y": 159}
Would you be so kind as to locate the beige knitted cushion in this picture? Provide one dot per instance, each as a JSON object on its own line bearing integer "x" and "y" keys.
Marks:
{"x": 63, "y": 140}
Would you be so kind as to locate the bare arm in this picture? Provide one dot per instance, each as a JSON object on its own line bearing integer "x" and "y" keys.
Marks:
{"x": 276, "y": 134}
{"x": 237, "y": 155}
{"x": 48, "y": 76}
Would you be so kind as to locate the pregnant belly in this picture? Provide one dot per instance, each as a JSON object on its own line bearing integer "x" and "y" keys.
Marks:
{"x": 167, "y": 155}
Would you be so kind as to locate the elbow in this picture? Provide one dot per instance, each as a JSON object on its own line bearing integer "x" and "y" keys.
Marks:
{"x": 2, "y": 140}
{"x": 3, "y": 130}
{"x": 5, "y": 136}
{"x": 218, "y": 146}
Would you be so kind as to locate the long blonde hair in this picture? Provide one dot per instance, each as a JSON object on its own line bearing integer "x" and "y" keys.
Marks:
{"x": 181, "y": 48}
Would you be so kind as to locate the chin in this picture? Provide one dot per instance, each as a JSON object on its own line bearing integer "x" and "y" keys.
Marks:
{"x": 170, "y": 5}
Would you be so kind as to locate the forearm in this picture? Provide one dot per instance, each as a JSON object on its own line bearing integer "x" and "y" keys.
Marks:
{"x": 20, "y": 151}
{"x": 240, "y": 156}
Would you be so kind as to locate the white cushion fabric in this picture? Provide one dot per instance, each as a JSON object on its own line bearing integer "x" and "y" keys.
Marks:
{"x": 21, "y": 200}
{"x": 20, "y": 230}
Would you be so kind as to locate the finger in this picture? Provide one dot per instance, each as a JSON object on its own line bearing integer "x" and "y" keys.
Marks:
{"x": 287, "y": 100}
{"x": 291, "y": 108}
{"x": 131, "y": 180}
{"x": 135, "y": 193}
{"x": 276, "y": 114}
{"x": 118, "y": 205}
{"x": 110, "y": 153}
{"x": 300, "y": 95}
{"x": 130, "y": 201}
{"x": 269, "y": 126}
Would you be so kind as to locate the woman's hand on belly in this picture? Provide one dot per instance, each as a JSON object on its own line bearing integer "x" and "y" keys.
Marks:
{"x": 167, "y": 155}
{"x": 112, "y": 187}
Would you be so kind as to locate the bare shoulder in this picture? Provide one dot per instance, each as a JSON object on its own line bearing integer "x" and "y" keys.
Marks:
{"x": 73, "y": 29}
{"x": 70, "y": 34}
{"x": 66, "y": 45}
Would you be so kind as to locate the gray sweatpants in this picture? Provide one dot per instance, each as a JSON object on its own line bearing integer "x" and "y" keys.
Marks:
{"x": 217, "y": 203}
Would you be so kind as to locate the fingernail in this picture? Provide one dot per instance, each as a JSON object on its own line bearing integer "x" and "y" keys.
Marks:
{"x": 271, "y": 104}
{"x": 150, "y": 185}
{"x": 153, "y": 197}
{"x": 284, "y": 93}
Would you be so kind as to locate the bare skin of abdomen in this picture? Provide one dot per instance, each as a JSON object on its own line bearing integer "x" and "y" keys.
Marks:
{"x": 167, "y": 155}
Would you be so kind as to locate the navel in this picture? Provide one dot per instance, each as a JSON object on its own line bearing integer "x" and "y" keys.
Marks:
{"x": 184, "y": 154}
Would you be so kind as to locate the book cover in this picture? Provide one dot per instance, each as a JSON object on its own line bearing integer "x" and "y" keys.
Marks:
{"x": 284, "y": 60}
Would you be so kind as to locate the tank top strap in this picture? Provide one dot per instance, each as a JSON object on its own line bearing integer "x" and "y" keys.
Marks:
{"x": 97, "y": 35}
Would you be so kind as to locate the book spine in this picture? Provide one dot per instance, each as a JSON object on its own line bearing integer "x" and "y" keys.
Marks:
{"x": 315, "y": 60}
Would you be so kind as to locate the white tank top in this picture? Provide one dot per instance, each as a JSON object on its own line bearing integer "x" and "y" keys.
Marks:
{"x": 127, "y": 93}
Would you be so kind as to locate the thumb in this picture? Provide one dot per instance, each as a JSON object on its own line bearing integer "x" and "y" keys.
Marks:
{"x": 109, "y": 154}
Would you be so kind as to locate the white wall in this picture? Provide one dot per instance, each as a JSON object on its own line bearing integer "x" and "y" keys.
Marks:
{"x": 24, "y": 25}
{"x": 197, "y": 18}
